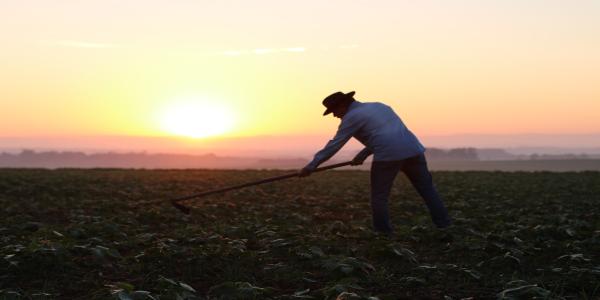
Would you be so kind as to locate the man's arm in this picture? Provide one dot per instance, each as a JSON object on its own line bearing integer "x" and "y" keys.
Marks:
{"x": 345, "y": 131}
{"x": 361, "y": 156}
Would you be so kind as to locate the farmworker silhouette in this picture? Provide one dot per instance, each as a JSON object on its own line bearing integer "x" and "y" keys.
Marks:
{"x": 394, "y": 149}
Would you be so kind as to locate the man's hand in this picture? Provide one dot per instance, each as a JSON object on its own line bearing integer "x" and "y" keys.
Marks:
{"x": 358, "y": 160}
{"x": 361, "y": 156}
{"x": 305, "y": 171}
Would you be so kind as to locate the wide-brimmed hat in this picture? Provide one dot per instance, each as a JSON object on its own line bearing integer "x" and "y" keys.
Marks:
{"x": 336, "y": 99}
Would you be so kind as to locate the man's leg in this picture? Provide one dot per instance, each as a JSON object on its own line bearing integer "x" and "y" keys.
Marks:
{"x": 382, "y": 179}
{"x": 416, "y": 170}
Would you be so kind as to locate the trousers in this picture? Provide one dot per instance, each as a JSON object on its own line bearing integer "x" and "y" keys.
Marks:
{"x": 383, "y": 174}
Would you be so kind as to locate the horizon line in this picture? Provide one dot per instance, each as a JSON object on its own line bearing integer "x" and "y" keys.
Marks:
{"x": 283, "y": 135}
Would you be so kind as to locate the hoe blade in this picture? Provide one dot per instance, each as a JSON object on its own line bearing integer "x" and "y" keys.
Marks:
{"x": 182, "y": 208}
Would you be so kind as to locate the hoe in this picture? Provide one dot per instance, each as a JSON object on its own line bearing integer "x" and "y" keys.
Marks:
{"x": 186, "y": 210}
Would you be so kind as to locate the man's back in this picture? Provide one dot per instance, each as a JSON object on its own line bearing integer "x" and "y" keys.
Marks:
{"x": 380, "y": 129}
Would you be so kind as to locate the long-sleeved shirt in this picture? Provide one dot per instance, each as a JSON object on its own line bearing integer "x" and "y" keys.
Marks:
{"x": 378, "y": 128}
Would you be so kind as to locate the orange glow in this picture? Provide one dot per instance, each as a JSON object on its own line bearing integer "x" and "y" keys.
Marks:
{"x": 196, "y": 118}
{"x": 85, "y": 68}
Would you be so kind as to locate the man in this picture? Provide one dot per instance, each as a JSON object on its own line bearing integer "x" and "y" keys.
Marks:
{"x": 394, "y": 149}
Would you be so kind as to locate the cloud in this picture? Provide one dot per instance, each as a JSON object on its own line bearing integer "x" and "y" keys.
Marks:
{"x": 80, "y": 44}
{"x": 266, "y": 51}
{"x": 263, "y": 51}
{"x": 296, "y": 49}
{"x": 233, "y": 52}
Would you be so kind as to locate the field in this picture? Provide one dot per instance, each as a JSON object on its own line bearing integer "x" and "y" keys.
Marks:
{"x": 101, "y": 234}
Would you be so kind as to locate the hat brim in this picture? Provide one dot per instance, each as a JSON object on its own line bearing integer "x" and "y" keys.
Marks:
{"x": 346, "y": 96}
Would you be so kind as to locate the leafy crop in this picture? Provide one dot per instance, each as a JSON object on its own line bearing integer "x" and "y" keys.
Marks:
{"x": 102, "y": 234}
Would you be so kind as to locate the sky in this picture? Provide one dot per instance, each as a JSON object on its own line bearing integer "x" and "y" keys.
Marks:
{"x": 261, "y": 68}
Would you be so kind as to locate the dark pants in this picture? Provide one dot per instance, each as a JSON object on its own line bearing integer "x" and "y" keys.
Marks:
{"x": 383, "y": 174}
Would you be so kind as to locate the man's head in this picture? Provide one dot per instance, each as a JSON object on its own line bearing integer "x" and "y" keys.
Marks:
{"x": 338, "y": 103}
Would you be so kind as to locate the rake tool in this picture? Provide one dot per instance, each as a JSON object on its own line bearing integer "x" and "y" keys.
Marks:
{"x": 186, "y": 210}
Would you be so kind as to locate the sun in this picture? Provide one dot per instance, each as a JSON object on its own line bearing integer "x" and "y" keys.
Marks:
{"x": 197, "y": 118}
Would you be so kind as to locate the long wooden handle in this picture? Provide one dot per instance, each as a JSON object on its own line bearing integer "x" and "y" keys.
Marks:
{"x": 235, "y": 187}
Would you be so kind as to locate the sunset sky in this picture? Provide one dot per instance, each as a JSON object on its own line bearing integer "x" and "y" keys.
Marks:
{"x": 247, "y": 68}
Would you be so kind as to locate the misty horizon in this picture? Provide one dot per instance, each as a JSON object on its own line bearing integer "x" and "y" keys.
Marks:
{"x": 439, "y": 159}
{"x": 270, "y": 146}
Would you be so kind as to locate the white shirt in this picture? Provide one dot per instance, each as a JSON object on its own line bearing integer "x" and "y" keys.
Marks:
{"x": 377, "y": 127}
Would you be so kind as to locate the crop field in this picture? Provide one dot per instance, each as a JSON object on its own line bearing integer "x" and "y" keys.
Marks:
{"x": 111, "y": 234}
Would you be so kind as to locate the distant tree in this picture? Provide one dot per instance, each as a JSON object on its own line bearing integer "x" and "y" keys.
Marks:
{"x": 452, "y": 154}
